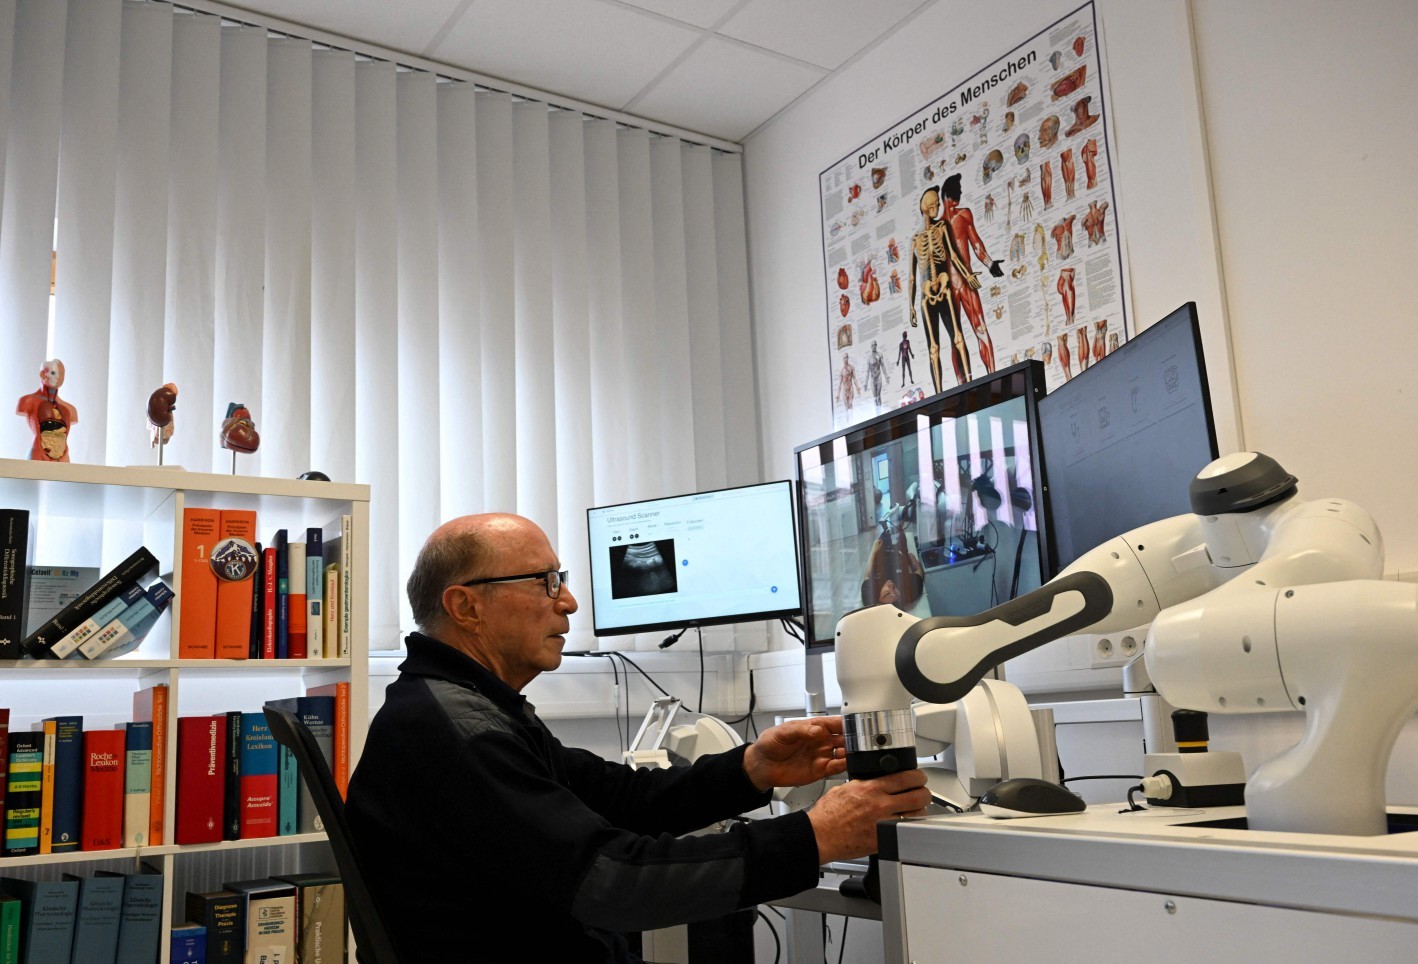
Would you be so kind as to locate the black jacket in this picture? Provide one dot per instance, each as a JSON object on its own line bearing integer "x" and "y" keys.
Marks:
{"x": 476, "y": 827}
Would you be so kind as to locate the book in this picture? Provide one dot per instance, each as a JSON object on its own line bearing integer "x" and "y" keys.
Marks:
{"x": 340, "y": 769}
{"x": 236, "y": 559}
{"x": 318, "y": 715}
{"x": 320, "y": 917}
{"x": 103, "y": 790}
{"x": 46, "y": 788}
{"x": 287, "y": 792}
{"x": 150, "y": 706}
{"x": 197, "y": 582}
{"x": 96, "y": 918}
{"x": 314, "y": 593}
{"x": 201, "y": 780}
{"x": 295, "y": 553}
{"x": 259, "y": 779}
{"x": 130, "y": 570}
{"x": 136, "y": 622}
{"x": 340, "y": 532}
{"x": 258, "y": 597}
{"x": 270, "y": 918}
{"x": 9, "y": 929}
{"x": 231, "y": 762}
{"x": 5, "y": 768}
{"x": 187, "y": 944}
{"x": 332, "y": 610}
{"x": 68, "y": 802}
{"x": 140, "y": 921}
{"x": 269, "y": 586}
{"x": 282, "y": 595}
{"x": 47, "y": 910}
{"x": 69, "y": 645}
{"x": 16, "y": 554}
{"x": 118, "y": 630}
{"x": 23, "y": 792}
{"x": 223, "y": 915}
{"x": 137, "y": 782}
{"x": 54, "y": 587}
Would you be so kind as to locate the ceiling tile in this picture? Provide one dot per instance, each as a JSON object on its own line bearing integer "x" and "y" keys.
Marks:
{"x": 599, "y": 52}
{"x": 822, "y": 32}
{"x": 701, "y": 13}
{"x": 407, "y": 27}
{"x": 725, "y": 90}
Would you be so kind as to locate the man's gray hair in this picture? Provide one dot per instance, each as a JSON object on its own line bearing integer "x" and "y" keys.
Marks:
{"x": 445, "y": 560}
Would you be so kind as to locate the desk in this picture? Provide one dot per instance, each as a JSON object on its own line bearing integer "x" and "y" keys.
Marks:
{"x": 1155, "y": 886}
{"x": 803, "y": 913}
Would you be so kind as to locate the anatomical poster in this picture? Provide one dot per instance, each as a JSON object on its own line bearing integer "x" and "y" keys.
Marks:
{"x": 977, "y": 232}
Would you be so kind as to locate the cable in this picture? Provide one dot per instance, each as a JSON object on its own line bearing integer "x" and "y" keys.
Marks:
{"x": 1133, "y": 806}
{"x": 700, "y": 633}
{"x": 842, "y": 948}
{"x": 777, "y": 945}
{"x": 672, "y": 638}
{"x": 1103, "y": 776}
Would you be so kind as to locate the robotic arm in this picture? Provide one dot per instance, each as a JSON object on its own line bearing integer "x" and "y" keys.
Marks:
{"x": 1281, "y": 637}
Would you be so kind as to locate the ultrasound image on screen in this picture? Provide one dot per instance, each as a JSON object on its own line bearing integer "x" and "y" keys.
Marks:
{"x": 643, "y": 569}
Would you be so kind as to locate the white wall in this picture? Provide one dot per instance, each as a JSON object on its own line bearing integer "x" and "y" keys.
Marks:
{"x": 1295, "y": 117}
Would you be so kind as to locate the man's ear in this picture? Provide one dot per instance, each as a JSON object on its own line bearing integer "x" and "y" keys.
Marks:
{"x": 462, "y": 608}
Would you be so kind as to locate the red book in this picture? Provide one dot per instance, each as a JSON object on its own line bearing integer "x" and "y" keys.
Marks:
{"x": 341, "y": 693}
{"x": 268, "y": 609}
{"x": 103, "y": 790}
{"x": 201, "y": 778}
{"x": 150, "y": 705}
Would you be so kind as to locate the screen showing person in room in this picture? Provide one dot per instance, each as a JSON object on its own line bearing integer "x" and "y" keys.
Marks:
{"x": 931, "y": 509}
{"x": 693, "y": 560}
{"x": 1123, "y": 439}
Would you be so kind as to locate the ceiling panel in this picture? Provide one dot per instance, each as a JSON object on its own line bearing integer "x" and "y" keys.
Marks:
{"x": 598, "y": 52}
{"x": 822, "y": 32}
{"x": 407, "y": 26}
{"x": 701, "y": 13}
{"x": 726, "y": 90}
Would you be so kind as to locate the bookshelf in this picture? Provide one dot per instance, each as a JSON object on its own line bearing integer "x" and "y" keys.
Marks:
{"x": 89, "y": 515}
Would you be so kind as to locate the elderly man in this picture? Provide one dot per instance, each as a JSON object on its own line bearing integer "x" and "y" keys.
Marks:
{"x": 476, "y": 826}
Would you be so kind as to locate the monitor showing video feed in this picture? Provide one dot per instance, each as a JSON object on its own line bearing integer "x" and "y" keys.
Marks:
{"x": 933, "y": 508}
{"x": 703, "y": 559}
{"x": 1124, "y": 438}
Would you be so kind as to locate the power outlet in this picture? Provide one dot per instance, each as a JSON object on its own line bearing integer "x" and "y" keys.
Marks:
{"x": 1109, "y": 651}
{"x": 1128, "y": 647}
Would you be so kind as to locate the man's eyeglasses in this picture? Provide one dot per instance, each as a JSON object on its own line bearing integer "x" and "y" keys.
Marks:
{"x": 553, "y": 580}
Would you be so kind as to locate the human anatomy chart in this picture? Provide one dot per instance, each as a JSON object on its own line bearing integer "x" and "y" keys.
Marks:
{"x": 978, "y": 232}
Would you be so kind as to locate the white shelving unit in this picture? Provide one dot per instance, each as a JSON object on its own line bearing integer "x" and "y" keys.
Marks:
{"x": 89, "y": 515}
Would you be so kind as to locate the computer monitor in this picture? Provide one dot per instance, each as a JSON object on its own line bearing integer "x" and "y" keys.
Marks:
{"x": 1123, "y": 438}
{"x": 932, "y": 507}
{"x": 703, "y": 559}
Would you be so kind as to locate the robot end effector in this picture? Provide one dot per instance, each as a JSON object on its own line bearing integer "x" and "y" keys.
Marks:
{"x": 1311, "y": 627}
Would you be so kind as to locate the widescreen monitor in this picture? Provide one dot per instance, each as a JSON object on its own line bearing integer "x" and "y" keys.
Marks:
{"x": 933, "y": 508}
{"x": 703, "y": 559}
{"x": 1124, "y": 438}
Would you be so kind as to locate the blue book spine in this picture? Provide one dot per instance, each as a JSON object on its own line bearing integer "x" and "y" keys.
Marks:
{"x": 287, "y": 793}
{"x": 96, "y": 921}
{"x": 140, "y": 925}
{"x": 68, "y": 783}
{"x": 282, "y": 596}
{"x": 189, "y": 944}
{"x": 47, "y": 928}
{"x": 69, "y": 646}
{"x": 260, "y": 782}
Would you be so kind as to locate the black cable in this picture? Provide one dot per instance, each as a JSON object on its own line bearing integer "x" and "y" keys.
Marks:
{"x": 672, "y": 638}
{"x": 700, "y": 633}
{"x": 842, "y": 948}
{"x": 777, "y": 945}
{"x": 1103, "y": 776}
{"x": 1133, "y": 806}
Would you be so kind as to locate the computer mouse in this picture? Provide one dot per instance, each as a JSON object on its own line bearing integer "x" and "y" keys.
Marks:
{"x": 1029, "y": 797}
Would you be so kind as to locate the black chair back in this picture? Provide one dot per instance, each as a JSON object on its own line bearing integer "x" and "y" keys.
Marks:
{"x": 373, "y": 944}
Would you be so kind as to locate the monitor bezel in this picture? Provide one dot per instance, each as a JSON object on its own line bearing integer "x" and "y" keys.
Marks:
{"x": 1061, "y": 394}
{"x": 718, "y": 620}
{"x": 962, "y": 399}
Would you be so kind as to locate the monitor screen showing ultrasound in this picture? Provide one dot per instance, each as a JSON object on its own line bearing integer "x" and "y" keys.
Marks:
{"x": 1124, "y": 438}
{"x": 708, "y": 558}
{"x": 930, "y": 508}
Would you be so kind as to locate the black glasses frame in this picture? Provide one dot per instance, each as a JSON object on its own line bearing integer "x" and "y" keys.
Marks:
{"x": 547, "y": 576}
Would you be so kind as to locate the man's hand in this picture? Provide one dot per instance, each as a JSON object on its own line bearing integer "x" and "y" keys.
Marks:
{"x": 844, "y": 819}
{"x": 797, "y": 753}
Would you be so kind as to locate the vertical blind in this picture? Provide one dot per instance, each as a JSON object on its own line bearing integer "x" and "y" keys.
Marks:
{"x": 469, "y": 300}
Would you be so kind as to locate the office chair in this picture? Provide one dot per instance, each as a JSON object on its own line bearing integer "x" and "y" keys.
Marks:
{"x": 373, "y": 944}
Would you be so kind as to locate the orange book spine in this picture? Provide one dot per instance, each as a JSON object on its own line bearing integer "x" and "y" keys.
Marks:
{"x": 197, "y": 591}
{"x": 150, "y": 705}
{"x": 341, "y": 693}
{"x": 235, "y": 584}
{"x": 46, "y": 783}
